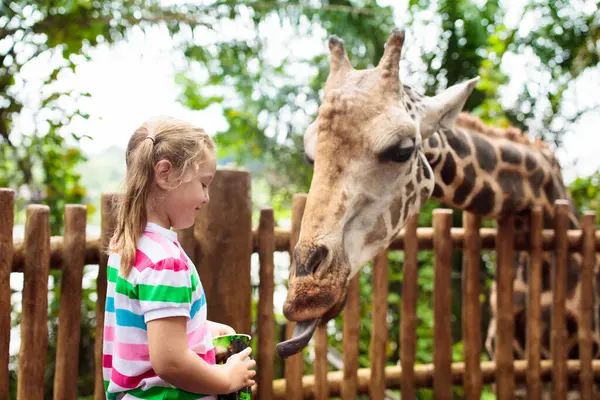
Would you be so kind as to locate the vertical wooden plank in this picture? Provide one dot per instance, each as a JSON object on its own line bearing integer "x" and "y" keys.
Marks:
{"x": 7, "y": 219}
{"x": 294, "y": 365}
{"x": 379, "y": 333}
{"x": 350, "y": 340}
{"x": 505, "y": 255}
{"x": 471, "y": 306}
{"x": 67, "y": 350}
{"x": 442, "y": 302}
{"x": 586, "y": 377}
{"x": 34, "y": 317}
{"x": 559, "y": 288}
{"x": 408, "y": 317}
{"x": 266, "y": 320}
{"x": 107, "y": 227}
{"x": 224, "y": 249}
{"x": 320, "y": 364}
{"x": 534, "y": 310}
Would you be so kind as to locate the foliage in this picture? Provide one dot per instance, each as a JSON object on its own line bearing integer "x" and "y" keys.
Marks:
{"x": 585, "y": 192}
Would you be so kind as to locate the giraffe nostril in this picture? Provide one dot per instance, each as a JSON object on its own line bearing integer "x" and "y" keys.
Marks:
{"x": 310, "y": 264}
{"x": 315, "y": 258}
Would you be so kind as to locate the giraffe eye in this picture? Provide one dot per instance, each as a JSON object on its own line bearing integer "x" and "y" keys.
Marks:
{"x": 400, "y": 152}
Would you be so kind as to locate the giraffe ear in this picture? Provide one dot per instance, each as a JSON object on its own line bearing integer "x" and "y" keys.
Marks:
{"x": 442, "y": 110}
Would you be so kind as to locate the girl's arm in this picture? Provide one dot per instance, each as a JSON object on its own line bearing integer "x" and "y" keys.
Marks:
{"x": 175, "y": 363}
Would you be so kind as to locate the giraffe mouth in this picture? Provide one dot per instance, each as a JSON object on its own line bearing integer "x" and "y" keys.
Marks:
{"x": 303, "y": 332}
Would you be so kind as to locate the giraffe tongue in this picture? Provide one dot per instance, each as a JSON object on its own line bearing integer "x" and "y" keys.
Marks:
{"x": 300, "y": 338}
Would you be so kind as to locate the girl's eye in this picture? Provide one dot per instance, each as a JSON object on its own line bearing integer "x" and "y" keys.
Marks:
{"x": 204, "y": 186}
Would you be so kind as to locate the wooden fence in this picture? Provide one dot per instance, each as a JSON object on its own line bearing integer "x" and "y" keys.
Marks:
{"x": 221, "y": 244}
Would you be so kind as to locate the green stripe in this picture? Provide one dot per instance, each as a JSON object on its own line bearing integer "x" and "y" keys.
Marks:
{"x": 173, "y": 294}
{"x": 112, "y": 274}
{"x": 195, "y": 281}
{"x": 164, "y": 293}
{"x": 109, "y": 396}
{"x": 163, "y": 393}
{"x": 124, "y": 287}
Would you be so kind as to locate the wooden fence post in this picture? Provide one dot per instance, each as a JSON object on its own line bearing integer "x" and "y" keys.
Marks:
{"x": 379, "y": 333}
{"x": 7, "y": 218}
{"x": 585, "y": 319}
{"x": 471, "y": 306}
{"x": 559, "y": 288}
{"x": 67, "y": 351}
{"x": 108, "y": 225}
{"x": 294, "y": 365}
{"x": 534, "y": 311}
{"x": 442, "y": 304}
{"x": 34, "y": 317}
{"x": 224, "y": 249}
{"x": 505, "y": 253}
{"x": 266, "y": 319}
{"x": 350, "y": 340}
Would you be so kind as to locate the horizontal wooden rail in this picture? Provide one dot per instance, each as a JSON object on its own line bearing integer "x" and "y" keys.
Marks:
{"x": 282, "y": 243}
{"x": 423, "y": 377}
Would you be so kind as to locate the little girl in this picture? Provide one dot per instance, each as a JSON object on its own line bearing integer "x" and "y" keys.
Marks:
{"x": 157, "y": 340}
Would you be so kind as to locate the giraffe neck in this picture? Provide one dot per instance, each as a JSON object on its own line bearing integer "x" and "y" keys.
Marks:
{"x": 492, "y": 176}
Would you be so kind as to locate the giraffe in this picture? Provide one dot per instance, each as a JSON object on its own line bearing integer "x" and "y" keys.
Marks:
{"x": 477, "y": 168}
{"x": 370, "y": 176}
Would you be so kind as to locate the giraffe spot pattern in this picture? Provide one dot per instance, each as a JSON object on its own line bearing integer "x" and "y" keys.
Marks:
{"x": 432, "y": 141}
{"x": 465, "y": 188}
{"x": 512, "y": 186}
{"x": 530, "y": 162}
{"x": 378, "y": 233}
{"x": 438, "y": 192}
{"x": 424, "y": 196}
{"x": 449, "y": 169}
{"x": 396, "y": 209}
{"x": 408, "y": 205}
{"x": 486, "y": 156}
{"x": 536, "y": 182}
{"x": 483, "y": 202}
{"x": 510, "y": 154}
{"x": 458, "y": 141}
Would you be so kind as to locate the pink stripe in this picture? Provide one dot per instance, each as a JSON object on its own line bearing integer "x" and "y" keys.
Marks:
{"x": 107, "y": 361}
{"x": 209, "y": 356}
{"x": 173, "y": 264}
{"x": 109, "y": 333}
{"x": 166, "y": 245}
{"x": 141, "y": 261}
{"x": 130, "y": 382}
{"x": 197, "y": 336}
{"x": 130, "y": 351}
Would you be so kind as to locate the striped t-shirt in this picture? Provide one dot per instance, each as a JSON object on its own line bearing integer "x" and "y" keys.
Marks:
{"x": 162, "y": 283}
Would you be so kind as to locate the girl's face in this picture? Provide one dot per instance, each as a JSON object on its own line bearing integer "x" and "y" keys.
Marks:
{"x": 179, "y": 206}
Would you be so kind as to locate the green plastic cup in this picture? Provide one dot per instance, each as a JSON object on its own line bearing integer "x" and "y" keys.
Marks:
{"x": 225, "y": 347}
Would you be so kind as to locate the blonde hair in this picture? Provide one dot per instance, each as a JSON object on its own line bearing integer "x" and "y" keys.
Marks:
{"x": 159, "y": 138}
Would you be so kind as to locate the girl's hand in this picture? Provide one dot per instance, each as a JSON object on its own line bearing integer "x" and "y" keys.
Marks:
{"x": 239, "y": 370}
{"x": 217, "y": 329}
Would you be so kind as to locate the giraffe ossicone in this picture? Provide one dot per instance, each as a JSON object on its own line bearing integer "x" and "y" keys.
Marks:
{"x": 370, "y": 176}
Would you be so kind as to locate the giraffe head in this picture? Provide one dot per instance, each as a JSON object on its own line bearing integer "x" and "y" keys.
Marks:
{"x": 370, "y": 176}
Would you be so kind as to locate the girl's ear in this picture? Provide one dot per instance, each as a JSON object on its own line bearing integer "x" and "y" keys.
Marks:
{"x": 163, "y": 174}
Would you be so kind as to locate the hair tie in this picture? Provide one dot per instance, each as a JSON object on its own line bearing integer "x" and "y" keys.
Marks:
{"x": 151, "y": 138}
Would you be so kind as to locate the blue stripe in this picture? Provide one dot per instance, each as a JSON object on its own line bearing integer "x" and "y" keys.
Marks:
{"x": 197, "y": 305}
{"x": 129, "y": 319}
{"x": 110, "y": 304}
